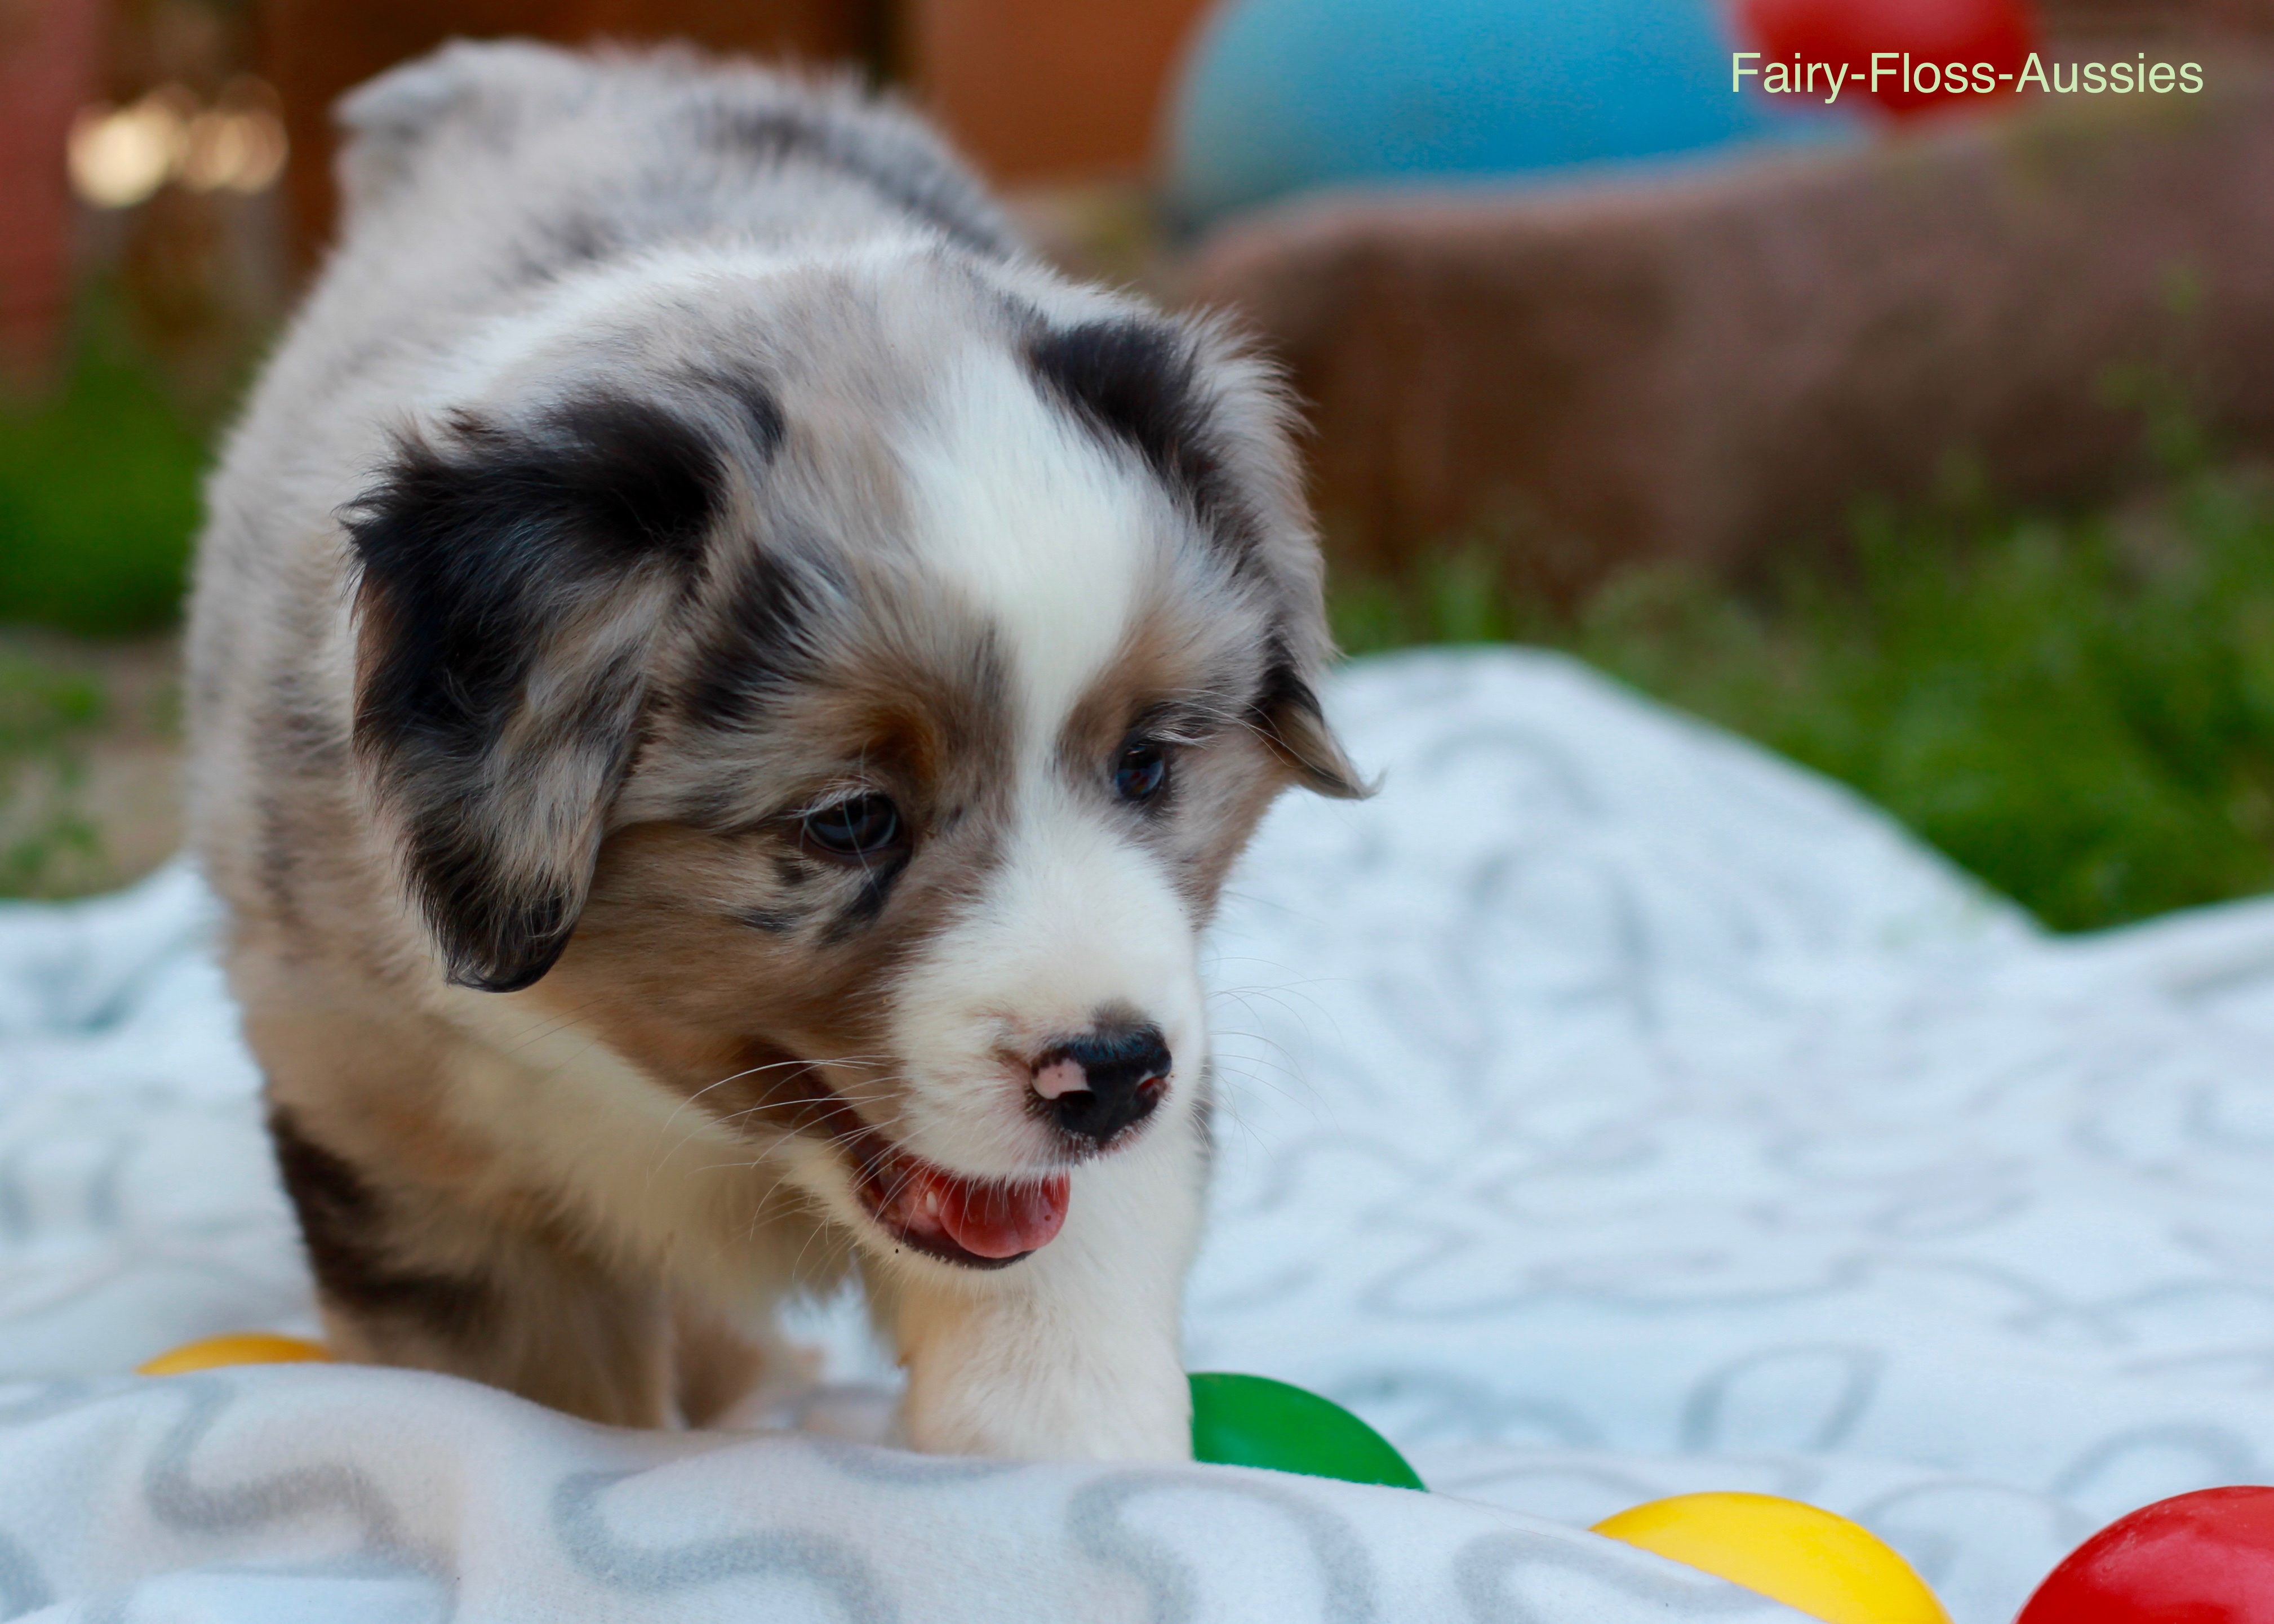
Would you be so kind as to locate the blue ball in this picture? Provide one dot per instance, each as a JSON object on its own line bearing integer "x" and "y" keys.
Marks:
{"x": 1277, "y": 96}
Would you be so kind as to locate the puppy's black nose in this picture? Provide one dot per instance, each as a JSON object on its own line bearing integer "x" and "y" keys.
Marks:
{"x": 1100, "y": 1083}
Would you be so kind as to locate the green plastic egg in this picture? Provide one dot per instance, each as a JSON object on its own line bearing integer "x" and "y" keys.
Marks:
{"x": 1254, "y": 1421}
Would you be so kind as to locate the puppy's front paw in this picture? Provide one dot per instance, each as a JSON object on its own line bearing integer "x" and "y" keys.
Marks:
{"x": 1054, "y": 1415}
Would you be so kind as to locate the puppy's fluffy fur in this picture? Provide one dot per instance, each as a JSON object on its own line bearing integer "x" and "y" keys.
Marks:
{"x": 721, "y": 695}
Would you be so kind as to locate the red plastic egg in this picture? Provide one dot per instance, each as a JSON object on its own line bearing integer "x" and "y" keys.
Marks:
{"x": 2204, "y": 1558}
{"x": 1943, "y": 35}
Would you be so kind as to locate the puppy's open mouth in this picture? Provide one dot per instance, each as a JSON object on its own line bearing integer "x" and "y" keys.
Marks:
{"x": 980, "y": 1223}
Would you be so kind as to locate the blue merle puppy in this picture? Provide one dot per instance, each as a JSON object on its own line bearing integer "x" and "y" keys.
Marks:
{"x": 723, "y": 693}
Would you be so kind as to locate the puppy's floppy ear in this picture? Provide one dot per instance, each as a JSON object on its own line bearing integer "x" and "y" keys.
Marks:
{"x": 1246, "y": 416}
{"x": 1286, "y": 713}
{"x": 1214, "y": 423}
{"x": 513, "y": 583}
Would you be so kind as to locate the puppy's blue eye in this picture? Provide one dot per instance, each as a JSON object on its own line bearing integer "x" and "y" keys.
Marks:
{"x": 1141, "y": 773}
{"x": 860, "y": 827}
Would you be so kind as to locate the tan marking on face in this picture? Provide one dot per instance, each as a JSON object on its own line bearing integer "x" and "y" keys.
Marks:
{"x": 721, "y": 961}
{"x": 1179, "y": 661}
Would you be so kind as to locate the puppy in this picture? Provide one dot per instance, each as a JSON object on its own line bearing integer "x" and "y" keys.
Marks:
{"x": 722, "y": 693}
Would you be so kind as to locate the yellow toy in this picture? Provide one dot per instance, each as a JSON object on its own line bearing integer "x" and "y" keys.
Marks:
{"x": 1803, "y": 1557}
{"x": 236, "y": 1348}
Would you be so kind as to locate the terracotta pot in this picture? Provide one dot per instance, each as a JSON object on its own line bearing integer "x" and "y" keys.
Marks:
{"x": 1049, "y": 90}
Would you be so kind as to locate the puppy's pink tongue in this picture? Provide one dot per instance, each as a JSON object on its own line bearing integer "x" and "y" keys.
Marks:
{"x": 1002, "y": 1221}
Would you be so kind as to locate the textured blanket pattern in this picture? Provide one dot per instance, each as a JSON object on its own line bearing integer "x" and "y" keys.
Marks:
{"x": 1613, "y": 1112}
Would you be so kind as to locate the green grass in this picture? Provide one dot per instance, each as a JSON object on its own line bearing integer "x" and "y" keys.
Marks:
{"x": 2081, "y": 711}
{"x": 49, "y": 845}
{"x": 98, "y": 501}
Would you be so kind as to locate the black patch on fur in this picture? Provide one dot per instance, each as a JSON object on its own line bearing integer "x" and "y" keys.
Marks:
{"x": 468, "y": 545}
{"x": 762, "y": 411}
{"x": 1137, "y": 381}
{"x": 773, "y": 135}
{"x": 344, "y": 1223}
{"x": 1282, "y": 689}
{"x": 772, "y": 921}
{"x": 472, "y": 551}
{"x": 759, "y": 407}
{"x": 756, "y": 649}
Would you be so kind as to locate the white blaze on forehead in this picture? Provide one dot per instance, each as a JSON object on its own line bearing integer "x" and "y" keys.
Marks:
{"x": 1018, "y": 505}
{"x": 1018, "y": 509}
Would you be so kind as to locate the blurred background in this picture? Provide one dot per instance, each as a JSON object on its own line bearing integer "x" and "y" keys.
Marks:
{"x": 1922, "y": 436}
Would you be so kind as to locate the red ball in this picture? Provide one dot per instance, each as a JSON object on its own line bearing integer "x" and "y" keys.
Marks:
{"x": 2204, "y": 1558}
{"x": 1941, "y": 34}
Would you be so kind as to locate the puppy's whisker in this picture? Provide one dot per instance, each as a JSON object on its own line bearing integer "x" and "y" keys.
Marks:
{"x": 695, "y": 1132}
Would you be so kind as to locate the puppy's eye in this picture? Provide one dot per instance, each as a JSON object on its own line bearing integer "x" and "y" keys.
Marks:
{"x": 1141, "y": 773}
{"x": 860, "y": 827}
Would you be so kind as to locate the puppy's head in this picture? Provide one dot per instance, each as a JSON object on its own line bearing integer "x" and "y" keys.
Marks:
{"x": 846, "y": 688}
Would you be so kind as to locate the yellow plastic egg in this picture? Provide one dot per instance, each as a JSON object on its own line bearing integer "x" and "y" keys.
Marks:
{"x": 1798, "y": 1554}
{"x": 236, "y": 1348}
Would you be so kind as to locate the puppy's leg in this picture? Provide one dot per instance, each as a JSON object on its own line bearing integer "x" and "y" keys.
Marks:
{"x": 715, "y": 1366}
{"x": 1073, "y": 1352}
{"x": 406, "y": 1276}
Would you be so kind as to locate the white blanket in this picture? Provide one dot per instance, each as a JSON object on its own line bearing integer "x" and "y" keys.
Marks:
{"x": 1615, "y": 1111}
